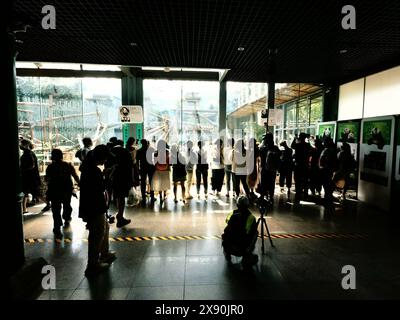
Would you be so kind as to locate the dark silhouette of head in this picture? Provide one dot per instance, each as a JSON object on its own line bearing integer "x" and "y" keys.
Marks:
{"x": 56, "y": 155}
{"x": 87, "y": 142}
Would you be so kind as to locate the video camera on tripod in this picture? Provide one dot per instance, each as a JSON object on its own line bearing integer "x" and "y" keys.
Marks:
{"x": 264, "y": 205}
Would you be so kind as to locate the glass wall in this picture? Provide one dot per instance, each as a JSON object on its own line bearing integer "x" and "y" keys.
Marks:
{"x": 59, "y": 112}
{"x": 301, "y": 104}
{"x": 300, "y": 115}
{"x": 177, "y": 111}
{"x": 244, "y": 104}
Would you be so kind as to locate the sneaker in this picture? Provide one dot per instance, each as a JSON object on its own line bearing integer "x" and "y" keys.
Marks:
{"x": 123, "y": 222}
{"x": 227, "y": 195}
{"x": 108, "y": 258}
{"x": 189, "y": 197}
{"x": 98, "y": 268}
{"x": 198, "y": 196}
{"x": 67, "y": 223}
{"x": 57, "y": 233}
{"x": 206, "y": 196}
{"x": 176, "y": 200}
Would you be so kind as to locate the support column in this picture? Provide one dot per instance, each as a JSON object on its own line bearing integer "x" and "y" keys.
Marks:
{"x": 132, "y": 94}
{"x": 222, "y": 106}
{"x": 330, "y": 103}
{"x": 271, "y": 100}
{"x": 12, "y": 193}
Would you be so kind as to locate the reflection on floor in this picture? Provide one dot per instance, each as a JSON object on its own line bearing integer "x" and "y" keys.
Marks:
{"x": 194, "y": 268}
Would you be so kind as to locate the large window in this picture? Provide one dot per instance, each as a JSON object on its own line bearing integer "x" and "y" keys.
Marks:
{"x": 177, "y": 111}
{"x": 59, "y": 112}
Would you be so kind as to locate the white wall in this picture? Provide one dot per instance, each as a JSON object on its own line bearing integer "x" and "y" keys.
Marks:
{"x": 382, "y": 96}
{"x": 382, "y": 93}
{"x": 351, "y": 99}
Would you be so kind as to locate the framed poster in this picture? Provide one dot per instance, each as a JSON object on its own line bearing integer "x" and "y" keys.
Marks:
{"x": 131, "y": 114}
{"x": 376, "y": 161}
{"x": 349, "y": 131}
{"x": 327, "y": 130}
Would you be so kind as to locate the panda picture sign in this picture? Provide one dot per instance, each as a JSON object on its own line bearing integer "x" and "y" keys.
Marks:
{"x": 131, "y": 114}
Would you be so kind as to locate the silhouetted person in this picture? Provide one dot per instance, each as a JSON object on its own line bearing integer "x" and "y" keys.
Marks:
{"x": 146, "y": 169}
{"x": 270, "y": 160}
{"x": 228, "y": 166}
{"x": 93, "y": 208}
{"x": 301, "y": 166}
{"x": 253, "y": 155}
{"x": 191, "y": 160}
{"x": 178, "y": 162}
{"x": 240, "y": 234}
{"x": 328, "y": 164}
{"x": 161, "y": 178}
{"x": 121, "y": 180}
{"x": 346, "y": 164}
{"x": 87, "y": 146}
{"x": 286, "y": 167}
{"x": 217, "y": 167}
{"x": 239, "y": 168}
{"x": 131, "y": 146}
{"x": 59, "y": 176}
{"x": 202, "y": 169}
{"x": 30, "y": 177}
{"x": 315, "y": 183}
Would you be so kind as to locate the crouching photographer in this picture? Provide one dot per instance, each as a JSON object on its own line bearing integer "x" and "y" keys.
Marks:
{"x": 240, "y": 234}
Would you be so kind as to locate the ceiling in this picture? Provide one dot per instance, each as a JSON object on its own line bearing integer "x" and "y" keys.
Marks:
{"x": 282, "y": 41}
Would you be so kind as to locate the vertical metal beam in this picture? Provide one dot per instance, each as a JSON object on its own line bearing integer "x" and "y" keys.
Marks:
{"x": 271, "y": 95}
{"x": 132, "y": 94}
{"x": 222, "y": 106}
{"x": 12, "y": 196}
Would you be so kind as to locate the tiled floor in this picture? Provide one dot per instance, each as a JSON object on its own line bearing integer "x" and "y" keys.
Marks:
{"x": 196, "y": 269}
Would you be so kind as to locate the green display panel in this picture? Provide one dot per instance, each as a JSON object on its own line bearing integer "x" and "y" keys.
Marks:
{"x": 377, "y": 132}
{"x": 125, "y": 132}
{"x": 327, "y": 130}
{"x": 348, "y": 132}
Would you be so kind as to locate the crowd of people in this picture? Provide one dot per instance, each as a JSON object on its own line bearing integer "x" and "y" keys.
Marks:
{"x": 109, "y": 173}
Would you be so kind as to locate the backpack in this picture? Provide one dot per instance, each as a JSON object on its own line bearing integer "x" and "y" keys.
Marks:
{"x": 272, "y": 160}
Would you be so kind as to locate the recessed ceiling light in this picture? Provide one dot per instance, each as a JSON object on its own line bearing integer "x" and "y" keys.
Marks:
{"x": 343, "y": 51}
{"x": 133, "y": 44}
{"x": 166, "y": 69}
{"x": 240, "y": 48}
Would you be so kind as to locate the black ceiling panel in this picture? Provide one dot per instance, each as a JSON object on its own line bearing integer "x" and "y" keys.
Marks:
{"x": 284, "y": 41}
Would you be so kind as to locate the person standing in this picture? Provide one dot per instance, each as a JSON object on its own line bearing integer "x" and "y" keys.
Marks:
{"x": 328, "y": 164}
{"x": 202, "y": 169}
{"x": 87, "y": 146}
{"x": 30, "y": 177}
{"x": 59, "y": 176}
{"x": 286, "y": 167}
{"x": 302, "y": 151}
{"x": 121, "y": 180}
{"x": 346, "y": 164}
{"x": 178, "y": 171}
{"x": 239, "y": 168}
{"x": 161, "y": 179}
{"x": 217, "y": 167}
{"x": 253, "y": 154}
{"x": 146, "y": 169}
{"x": 228, "y": 165}
{"x": 270, "y": 154}
{"x": 191, "y": 160}
{"x": 92, "y": 210}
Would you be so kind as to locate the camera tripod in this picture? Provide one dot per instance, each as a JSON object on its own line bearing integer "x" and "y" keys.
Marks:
{"x": 261, "y": 220}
